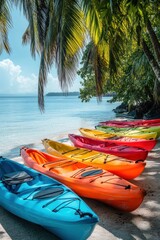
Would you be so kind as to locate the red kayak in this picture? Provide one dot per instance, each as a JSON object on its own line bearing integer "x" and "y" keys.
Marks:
{"x": 134, "y": 123}
{"x": 132, "y": 142}
{"x": 132, "y": 153}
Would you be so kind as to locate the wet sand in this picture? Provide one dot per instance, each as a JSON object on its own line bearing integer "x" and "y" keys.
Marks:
{"x": 141, "y": 224}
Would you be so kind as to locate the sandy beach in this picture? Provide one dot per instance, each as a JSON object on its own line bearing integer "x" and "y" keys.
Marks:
{"x": 141, "y": 224}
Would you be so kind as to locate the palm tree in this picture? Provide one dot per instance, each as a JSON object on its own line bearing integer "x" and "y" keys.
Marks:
{"x": 58, "y": 31}
{"x": 5, "y": 24}
{"x": 137, "y": 15}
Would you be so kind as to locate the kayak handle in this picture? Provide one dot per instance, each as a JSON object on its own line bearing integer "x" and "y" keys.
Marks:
{"x": 83, "y": 214}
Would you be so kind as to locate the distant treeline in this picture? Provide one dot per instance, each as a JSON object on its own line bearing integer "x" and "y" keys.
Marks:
{"x": 110, "y": 94}
{"x": 73, "y": 94}
{"x": 63, "y": 94}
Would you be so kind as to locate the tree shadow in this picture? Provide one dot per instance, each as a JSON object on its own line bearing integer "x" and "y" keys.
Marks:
{"x": 18, "y": 228}
{"x": 15, "y": 152}
{"x": 144, "y": 222}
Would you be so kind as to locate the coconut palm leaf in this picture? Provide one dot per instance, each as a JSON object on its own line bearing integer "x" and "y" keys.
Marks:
{"x": 5, "y": 24}
{"x": 26, "y": 38}
{"x": 63, "y": 43}
{"x": 93, "y": 19}
{"x": 70, "y": 39}
{"x": 35, "y": 12}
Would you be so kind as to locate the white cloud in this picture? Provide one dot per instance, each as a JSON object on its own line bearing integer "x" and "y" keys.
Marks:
{"x": 13, "y": 70}
{"x": 12, "y": 80}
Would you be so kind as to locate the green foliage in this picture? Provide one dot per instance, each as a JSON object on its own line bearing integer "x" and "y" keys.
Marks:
{"x": 128, "y": 72}
{"x": 134, "y": 83}
{"x": 137, "y": 81}
{"x": 92, "y": 65}
{"x": 113, "y": 61}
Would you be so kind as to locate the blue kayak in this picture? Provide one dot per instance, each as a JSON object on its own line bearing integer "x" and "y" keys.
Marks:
{"x": 44, "y": 201}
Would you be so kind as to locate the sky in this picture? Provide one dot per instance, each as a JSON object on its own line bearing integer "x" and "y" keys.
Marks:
{"x": 18, "y": 70}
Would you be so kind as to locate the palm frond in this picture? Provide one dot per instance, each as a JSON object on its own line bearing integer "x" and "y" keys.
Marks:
{"x": 70, "y": 40}
{"x": 62, "y": 45}
{"x": 26, "y": 36}
{"x": 5, "y": 24}
{"x": 43, "y": 70}
{"x": 35, "y": 12}
{"x": 98, "y": 76}
{"x": 93, "y": 19}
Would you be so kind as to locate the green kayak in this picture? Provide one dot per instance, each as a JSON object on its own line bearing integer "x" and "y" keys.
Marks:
{"x": 133, "y": 133}
{"x": 134, "y": 129}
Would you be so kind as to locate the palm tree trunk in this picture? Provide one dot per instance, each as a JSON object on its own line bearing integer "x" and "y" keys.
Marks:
{"x": 156, "y": 70}
{"x": 156, "y": 92}
{"x": 154, "y": 39}
{"x": 156, "y": 46}
{"x": 152, "y": 61}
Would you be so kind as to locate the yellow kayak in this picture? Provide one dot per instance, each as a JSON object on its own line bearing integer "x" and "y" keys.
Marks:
{"x": 122, "y": 167}
{"x": 132, "y": 142}
{"x": 94, "y": 133}
{"x": 129, "y": 133}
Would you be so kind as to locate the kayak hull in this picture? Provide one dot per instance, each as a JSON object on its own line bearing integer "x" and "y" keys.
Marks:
{"x": 122, "y": 167}
{"x": 129, "y": 123}
{"x": 38, "y": 195}
{"x": 132, "y": 142}
{"x": 131, "y": 153}
{"x": 140, "y": 129}
{"x": 87, "y": 181}
{"x": 128, "y": 133}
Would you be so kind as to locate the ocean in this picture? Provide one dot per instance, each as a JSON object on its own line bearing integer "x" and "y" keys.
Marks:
{"x": 22, "y": 123}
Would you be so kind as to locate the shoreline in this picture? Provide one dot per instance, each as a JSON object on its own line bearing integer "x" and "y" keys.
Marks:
{"x": 13, "y": 153}
{"x": 141, "y": 224}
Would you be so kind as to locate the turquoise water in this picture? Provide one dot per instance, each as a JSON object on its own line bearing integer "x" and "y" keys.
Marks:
{"x": 21, "y": 122}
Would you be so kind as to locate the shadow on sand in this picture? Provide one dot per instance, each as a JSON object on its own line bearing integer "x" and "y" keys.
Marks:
{"x": 141, "y": 224}
{"x": 15, "y": 152}
{"x": 19, "y": 229}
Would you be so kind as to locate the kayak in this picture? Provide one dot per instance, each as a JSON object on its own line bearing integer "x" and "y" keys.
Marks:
{"x": 135, "y": 123}
{"x": 126, "y": 125}
{"x": 132, "y": 142}
{"x": 131, "y": 153}
{"x": 122, "y": 167}
{"x": 134, "y": 129}
{"x": 86, "y": 181}
{"x": 44, "y": 201}
{"x": 128, "y": 133}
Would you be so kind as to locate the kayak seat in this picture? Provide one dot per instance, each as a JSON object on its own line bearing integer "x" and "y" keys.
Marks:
{"x": 48, "y": 193}
{"x": 14, "y": 179}
{"x": 92, "y": 173}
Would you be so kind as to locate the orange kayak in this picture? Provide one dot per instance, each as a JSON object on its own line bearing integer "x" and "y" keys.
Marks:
{"x": 86, "y": 181}
{"x": 122, "y": 167}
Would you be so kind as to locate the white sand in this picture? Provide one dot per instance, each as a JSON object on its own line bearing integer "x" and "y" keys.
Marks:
{"x": 141, "y": 224}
